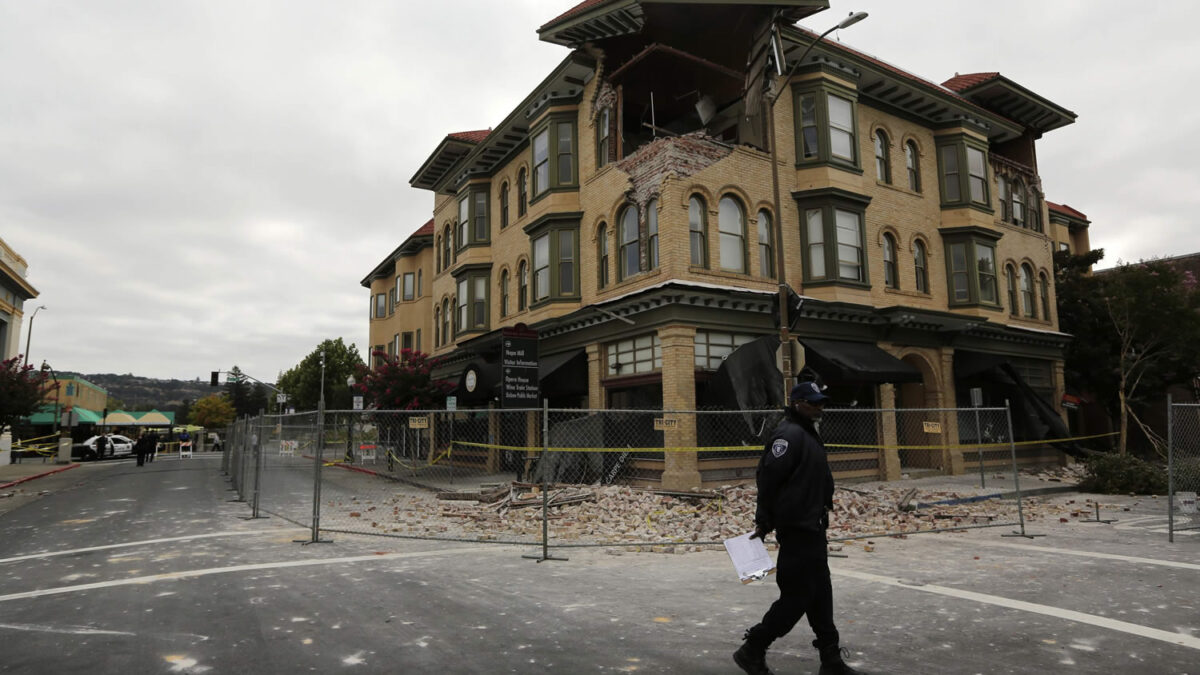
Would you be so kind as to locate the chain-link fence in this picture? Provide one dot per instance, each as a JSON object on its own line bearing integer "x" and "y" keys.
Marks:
{"x": 1183, "y": 466}
{"x": 611, "y": 477}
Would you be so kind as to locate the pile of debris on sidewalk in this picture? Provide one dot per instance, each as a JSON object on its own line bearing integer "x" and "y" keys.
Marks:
{"x": 622, "y": 514}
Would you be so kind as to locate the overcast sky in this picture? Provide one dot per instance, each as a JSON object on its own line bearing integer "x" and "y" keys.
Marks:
{"x": 198, "y": 184}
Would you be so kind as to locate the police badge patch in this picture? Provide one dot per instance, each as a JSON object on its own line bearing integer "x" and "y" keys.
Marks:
{"x": 779, "y": 447}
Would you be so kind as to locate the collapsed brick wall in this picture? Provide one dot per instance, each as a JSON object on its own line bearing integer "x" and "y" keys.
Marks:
{"x": 681, "y": 156}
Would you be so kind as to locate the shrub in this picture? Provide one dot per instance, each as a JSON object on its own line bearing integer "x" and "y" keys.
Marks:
{"x": 1187, "y": 474}
{"x": 1123, "y": 474}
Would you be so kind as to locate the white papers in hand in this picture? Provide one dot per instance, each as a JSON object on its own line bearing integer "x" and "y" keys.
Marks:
{"x": 750, "y": 558}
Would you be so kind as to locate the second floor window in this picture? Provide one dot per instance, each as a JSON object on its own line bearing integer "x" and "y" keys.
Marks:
{"x": 1045, "y": 288}
{"x": 409, "y": 290}
{"x": 523, "y": 286}
{"x": 381, "y": 305}
{"x": 602, "y": 255}
{"x": 1027, "y": 298}
{"x": 920, "y": 266}
{"x": 826, "y": 129}
{"x": 963, "y": 167}
{"x": 971, "y": 264}
{"x": 555, "y": 269}
{"x": 503, "y": 205}
{"x": 766, "y": 257}
{"x": 833, "y": 242}
{"x": 1014, "y": 304}
{"x": 522, "y": 192}
{"x": 631, "y": 250}
{"x": 697, "y": 235}
{"x": 504, "y": 293}
{"x": 603, "y": 139}
{"x": 891, "y": 275}
{"x": 731, "y": 223}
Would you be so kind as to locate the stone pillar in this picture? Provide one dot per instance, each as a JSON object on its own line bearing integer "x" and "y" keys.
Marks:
{"x": 64, "y": 449}
{"x": 6, "y": 448}
{"x": 681, "y": 470}
{"x": 952, "y": 459}
{"x": 889, "y": 456}
{"x": 595, "y": 375}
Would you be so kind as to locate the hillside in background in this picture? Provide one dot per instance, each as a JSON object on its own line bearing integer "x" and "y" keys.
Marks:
{"x": 132, "y": 392}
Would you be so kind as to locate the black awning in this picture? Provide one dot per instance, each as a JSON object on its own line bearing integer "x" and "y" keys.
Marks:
{"x": 563, "y": 374}
{"x": 857, "y": 362}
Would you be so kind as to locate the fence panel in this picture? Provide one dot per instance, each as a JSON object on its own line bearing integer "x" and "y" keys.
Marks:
{"x": 613, "y": 477}
{"x": 1183, "y": 467}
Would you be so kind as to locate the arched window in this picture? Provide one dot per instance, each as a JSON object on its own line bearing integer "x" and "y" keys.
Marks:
{"x": 437, "y": 326}
{"x": 630, "y": 253}
{"x": 1045, "y": 289}
{"x": 766, "y": 257}
{"x": 883, "y": 169}
{"x": 652, "y": 234}
{"x": 522, "y": 286}
{"x": 446, "y": 335}
{"x": 696, "y": 228}
{"x": 504, "y": 205}
{"x": 1027, "y": 292}
{"x": 1002, "y": 183}
{"x": 731, "y": 222}
{"x": 437, "y": 253}
{"x": 1018, "y": 203}
{"x": 602, "y": 255}
{"x": 911, "y": 162}
{"x": 446, "y": 247}
{"x": 522, "y": 192}
{"x": 920, "y": 266}
{"x": 891, "y": 275}
{"x": 1014, "y": 304}
{"x": 504, "y": 293}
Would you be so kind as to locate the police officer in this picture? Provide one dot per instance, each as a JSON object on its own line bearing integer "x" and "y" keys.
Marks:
{"x": 795, "y": 495}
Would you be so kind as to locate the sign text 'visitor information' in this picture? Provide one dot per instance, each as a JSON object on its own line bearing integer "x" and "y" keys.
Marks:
{"x": 519, "y": 372}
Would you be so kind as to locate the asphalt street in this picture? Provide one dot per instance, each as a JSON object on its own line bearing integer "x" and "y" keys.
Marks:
{"x": 115, "y": 568}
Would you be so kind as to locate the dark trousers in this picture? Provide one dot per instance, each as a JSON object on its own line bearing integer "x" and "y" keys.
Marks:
{"x": 802, "y": 573}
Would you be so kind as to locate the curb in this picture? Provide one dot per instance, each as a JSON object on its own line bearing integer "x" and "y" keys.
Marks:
{"x": 39, "y": 475}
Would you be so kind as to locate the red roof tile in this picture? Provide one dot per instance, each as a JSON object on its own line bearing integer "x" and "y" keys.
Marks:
{"x": 964, "y": 82}
{"x": 470, "y": 136}
{"x": 577, "y": 9}
{"x": 1064, "y": 209}
{"x": 427, "y": 228}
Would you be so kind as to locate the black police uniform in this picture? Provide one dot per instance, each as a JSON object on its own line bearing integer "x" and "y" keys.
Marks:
{"x": 795, "y": 494}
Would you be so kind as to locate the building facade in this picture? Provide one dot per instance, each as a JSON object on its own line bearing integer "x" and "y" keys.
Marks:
{"x": 643, "y": 206}
{"x": 15, "y": 290}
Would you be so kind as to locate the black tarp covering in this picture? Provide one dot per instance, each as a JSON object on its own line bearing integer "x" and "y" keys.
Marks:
{"x": 857, "y": 362}
{"x": 748, "y": 378}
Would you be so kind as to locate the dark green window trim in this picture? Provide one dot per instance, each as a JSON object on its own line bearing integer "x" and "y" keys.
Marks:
{"x": 965, "y": 247}
{"x": 558, "y": 261}
{"x": 478, "y": 226}
{"x": 815, "y": 131}
{"x": 828, "y": 201}
{"x": 476, "y": 277}
{"x": 559, "y": 169}
{"x": 960, "y": 160}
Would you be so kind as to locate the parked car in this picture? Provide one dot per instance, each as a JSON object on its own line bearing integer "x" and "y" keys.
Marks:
{"x": 119, "y": 446}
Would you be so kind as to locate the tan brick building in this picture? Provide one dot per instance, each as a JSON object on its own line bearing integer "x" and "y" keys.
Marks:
{"x": 626, "y": 210}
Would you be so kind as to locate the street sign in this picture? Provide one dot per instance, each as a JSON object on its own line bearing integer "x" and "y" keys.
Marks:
{"x": 932, "y": 427}
{"x": 358, "y": 403}
{"x": 665, "y": 424}
{"x": 519, "y": 369}
{"x": 281, "y": 398}
{"x": 451, "y": 403}
{"x": 976, "y": 397}
{"x": 421, "y": 422}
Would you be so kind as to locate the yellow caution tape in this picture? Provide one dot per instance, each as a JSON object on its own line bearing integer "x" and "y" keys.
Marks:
{"x": 744, "y": 448}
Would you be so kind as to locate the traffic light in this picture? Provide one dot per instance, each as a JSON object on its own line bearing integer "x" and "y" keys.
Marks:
{"x": 216, "y": 378}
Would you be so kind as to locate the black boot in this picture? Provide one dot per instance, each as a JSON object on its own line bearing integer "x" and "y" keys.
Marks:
{"x": 832, "y": 663}
{"x": 752, "y": 655}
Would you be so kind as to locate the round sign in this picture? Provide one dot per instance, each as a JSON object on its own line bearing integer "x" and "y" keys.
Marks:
{"x": 471, "y": 380}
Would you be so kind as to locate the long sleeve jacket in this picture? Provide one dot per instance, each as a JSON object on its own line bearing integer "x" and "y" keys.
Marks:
{"x": 795, "y": 485}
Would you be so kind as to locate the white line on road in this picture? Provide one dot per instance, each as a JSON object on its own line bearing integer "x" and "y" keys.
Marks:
{"x": 189, "y": 574}
{"x": 1071, "y": 551}
{"x": 68, "y": 630}
{"x": 234, "y": 533}
{"x": 1070, "y": 615}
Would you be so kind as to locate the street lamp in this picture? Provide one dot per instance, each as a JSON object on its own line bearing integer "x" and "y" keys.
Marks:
{"x": 785, "y": 337}
{"x": 29, "y": 334}
{"x": 350, "y": 422}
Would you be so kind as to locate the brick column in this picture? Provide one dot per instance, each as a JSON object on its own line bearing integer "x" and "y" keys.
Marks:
{"x": 889, "y": 456}
{"x": 680, "y": 469}
{"x": 952, "y": 460}
{"x": 594, "y": 375}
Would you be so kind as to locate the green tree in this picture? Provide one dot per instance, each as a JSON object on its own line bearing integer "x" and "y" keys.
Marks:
{"x": 213, "y": 411}
{"x": 237, "y": 389}
{"x": 1137, "y": 332}
{"x": 21, "y": 391}
{"x": 302, "y": 382}
{"x": 403, "y": 383}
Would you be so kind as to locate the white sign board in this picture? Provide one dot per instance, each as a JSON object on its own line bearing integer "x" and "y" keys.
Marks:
{"x": 451, "y": 403}
{"x": 358, "y": 403}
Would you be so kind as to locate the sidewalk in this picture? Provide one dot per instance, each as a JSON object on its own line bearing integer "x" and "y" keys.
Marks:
{"x": 29, "y": 469}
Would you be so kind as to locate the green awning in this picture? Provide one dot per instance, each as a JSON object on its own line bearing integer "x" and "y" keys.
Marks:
{"x": 45, "y": 416}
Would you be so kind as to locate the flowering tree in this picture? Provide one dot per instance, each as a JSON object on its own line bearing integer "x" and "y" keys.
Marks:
{"x": 402, "y": 383}
{"x": 21, "y": 390}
